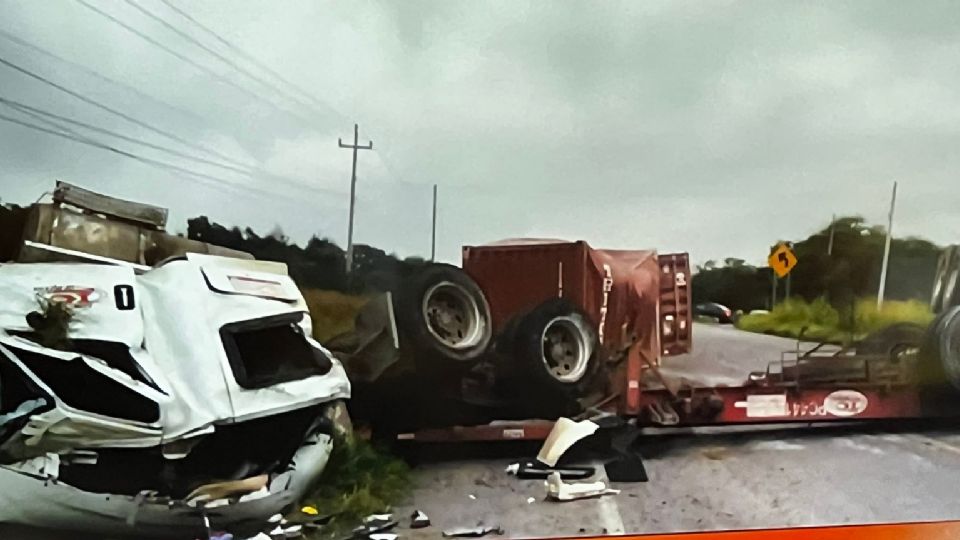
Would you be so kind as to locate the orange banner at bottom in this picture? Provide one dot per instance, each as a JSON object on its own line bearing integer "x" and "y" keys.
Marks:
{"x": 938, "y": 530}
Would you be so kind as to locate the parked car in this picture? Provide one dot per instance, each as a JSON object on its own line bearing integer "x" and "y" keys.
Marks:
{"x": 720, "y": 312}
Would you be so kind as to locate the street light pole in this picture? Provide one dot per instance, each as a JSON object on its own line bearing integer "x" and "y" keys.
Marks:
{"x": 353, "y": 188}
{"x": 886, "y": 249}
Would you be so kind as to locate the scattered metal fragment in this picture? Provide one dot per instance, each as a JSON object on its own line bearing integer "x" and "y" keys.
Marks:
{"x": 419, "y": 520}
{"x": 564, "y": 434}
{"x": 559, "y": 490}
{"x": 473, "y": 532}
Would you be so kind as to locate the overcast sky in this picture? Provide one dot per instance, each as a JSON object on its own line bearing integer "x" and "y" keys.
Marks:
{"x": 709, "y": 127}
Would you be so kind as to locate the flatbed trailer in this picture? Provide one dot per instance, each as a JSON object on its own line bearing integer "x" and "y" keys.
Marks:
{"x": 823, "y": 383}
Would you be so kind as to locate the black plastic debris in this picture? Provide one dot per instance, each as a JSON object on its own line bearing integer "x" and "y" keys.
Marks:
{"x": 473, "y": 532}
{"x": 627, "y": 466}
{"x": 533, "y": 470}
{"x": 419, "y": 520}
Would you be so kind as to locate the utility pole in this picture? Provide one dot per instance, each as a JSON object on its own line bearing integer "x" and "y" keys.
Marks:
{"x": 433, "y": 230}
{"x": 353, "y": 188}
{"x": 886, "y": 249}
{"x": 833, "y": 222}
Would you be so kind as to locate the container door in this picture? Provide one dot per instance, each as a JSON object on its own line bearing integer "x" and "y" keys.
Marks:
{"x": 676, "y": 324}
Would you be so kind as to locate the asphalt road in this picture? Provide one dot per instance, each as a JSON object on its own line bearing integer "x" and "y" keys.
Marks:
{"x": 710, "y": 481}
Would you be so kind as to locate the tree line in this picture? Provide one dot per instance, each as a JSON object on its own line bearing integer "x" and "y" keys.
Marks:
{"x": 850, "y": 270}
{"x": 320, "y": 264}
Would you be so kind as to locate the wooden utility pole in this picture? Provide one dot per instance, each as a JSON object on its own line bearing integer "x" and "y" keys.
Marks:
{"x": 353, "y": 188}
{"x": 886, "y": 249}
{"x": 433, "y": 230}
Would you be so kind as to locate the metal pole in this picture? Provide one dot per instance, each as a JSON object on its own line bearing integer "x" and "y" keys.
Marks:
{"x": 786, "y": 293}
{"x": 353, "y": 188}
{"x": 773, "y": 289}
{"x": 433, "y": 230}
{"x": 886, "y": 249}
{"x": 833, "y": 222}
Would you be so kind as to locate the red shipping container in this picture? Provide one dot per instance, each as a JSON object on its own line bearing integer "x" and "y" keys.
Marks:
{"x": 630, "y": 295}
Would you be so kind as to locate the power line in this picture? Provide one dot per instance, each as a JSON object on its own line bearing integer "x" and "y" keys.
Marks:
{"x": 93, "y": 73}
{"x": 169, "y": 135}
{"x": 23, "y": 107}
{"x": 66, "y": 133}
{"x": 186, "y": 59}
{"x": 121, "y": 114}
{"x": 249, "y": 58}
{"x": 222, "y": 58}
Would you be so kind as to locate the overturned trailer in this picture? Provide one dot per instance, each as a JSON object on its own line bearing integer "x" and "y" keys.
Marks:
{"x": 154, "y": 397}
{"x": 636, "y": 317}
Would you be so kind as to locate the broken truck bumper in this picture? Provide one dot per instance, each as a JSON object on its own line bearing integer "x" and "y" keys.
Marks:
{"x": 34, "y": 501}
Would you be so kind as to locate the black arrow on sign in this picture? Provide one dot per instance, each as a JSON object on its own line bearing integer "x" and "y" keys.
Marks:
{"x": 784, "y": 260}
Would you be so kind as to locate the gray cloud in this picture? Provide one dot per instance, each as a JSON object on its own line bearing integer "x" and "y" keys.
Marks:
{"x": 711, "y": 127}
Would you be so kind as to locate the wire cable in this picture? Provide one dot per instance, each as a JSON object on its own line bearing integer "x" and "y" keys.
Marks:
{"x": 188, "y": 60}
{"x": 250, "y": 58}
{"x": 121, "y": 114}
{"x": 217, "y": 55}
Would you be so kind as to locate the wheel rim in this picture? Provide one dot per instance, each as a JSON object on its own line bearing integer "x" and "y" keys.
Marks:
{"x": 452, "y": 315}
{"x": 565, "y": 352}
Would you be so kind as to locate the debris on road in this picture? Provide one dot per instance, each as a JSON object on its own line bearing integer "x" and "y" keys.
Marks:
{"x": 565, "y": 433}
{"x": 559, "y": 490}
{"x": 310, "y": 510}
{"x": 531, "y": 500}
{"x": 473, "y": 532}
{"x": 373, "y": 518}
{"x": 472, "y": 497}
{"x": 419, "y": 520}
{"x": 383, "y": 536}
{"x": 530, "y": 470}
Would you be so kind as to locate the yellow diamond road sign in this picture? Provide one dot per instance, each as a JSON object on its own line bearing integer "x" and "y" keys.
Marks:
{"x": 782, "y": 260}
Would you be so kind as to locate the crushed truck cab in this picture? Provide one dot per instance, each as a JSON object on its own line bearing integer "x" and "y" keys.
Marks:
{"x": 124, "y": 392}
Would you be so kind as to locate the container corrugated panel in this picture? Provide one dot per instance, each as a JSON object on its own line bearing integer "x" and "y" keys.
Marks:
{"x": 676, "y": 324}
{"x": 618, "y": 289}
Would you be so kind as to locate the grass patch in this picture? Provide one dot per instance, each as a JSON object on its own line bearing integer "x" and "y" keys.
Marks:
{"x": 332, "y": 312}
{"x": 825, "y": 323}
{"x": 360, "y": 479}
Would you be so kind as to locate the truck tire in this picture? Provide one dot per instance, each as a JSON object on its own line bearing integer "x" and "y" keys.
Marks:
{"x": 892, "y": 339}
{"x": 939, "y": 364}
{"x": 945, "y": 286}
{"x": 443, "y": 316}
{"x": 556, "y": 347}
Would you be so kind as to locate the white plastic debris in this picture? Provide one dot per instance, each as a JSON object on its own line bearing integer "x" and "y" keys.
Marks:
{"x": 419, "y": 520}
{"x": 382, "y": 536}
{"x": 531, "y": 500}
{"x": 377, "y": 517}
{"x": 296, "y": 531}
{"x": 512, "y": 468}
{"x": 473, "y": 532}
{"x": 559, "y": 490}
{"x": 564, "y": 434}
{"x": 472, "y": 497}
{"x": 276, "y": 518}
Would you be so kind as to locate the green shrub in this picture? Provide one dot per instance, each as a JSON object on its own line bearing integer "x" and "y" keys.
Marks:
{"x": 823, "y": 322}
